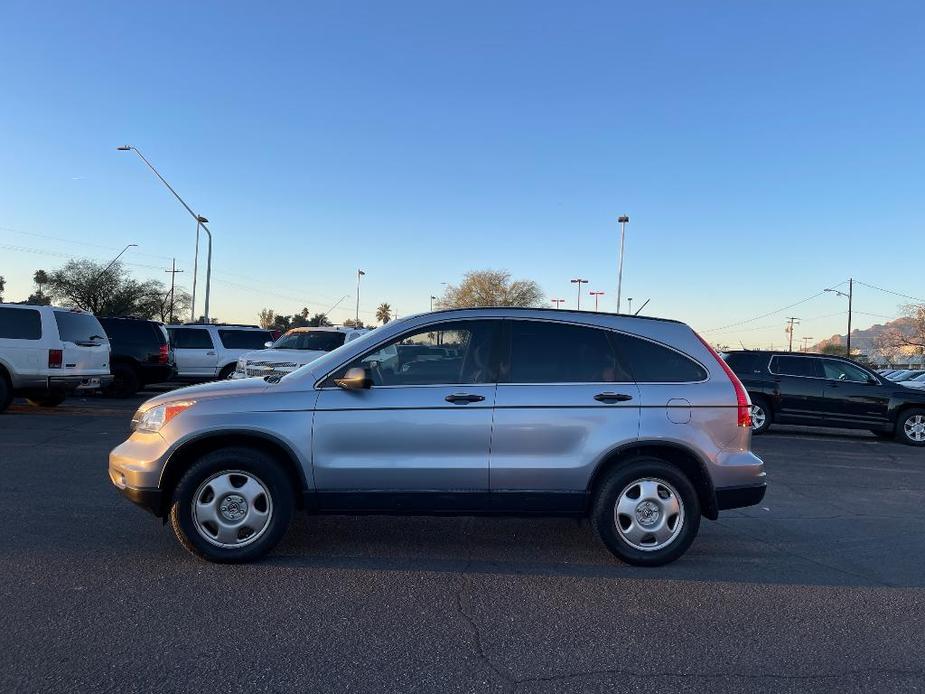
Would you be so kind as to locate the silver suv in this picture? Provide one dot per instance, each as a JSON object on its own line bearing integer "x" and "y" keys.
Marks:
{"x": 635, "y": 423}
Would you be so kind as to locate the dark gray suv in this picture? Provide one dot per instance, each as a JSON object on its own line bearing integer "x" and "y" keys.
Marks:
{"x": 635, "y": 423}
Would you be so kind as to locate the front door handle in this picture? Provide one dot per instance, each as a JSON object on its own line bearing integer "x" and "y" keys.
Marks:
{"x": 464, "y": 398}
{"x": 210, "y": 354}
{"x": 612, "y": 397}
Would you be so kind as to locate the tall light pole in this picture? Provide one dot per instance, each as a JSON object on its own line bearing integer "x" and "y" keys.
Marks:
{"x": 850, "y": 296}
{"x": 596, "y": 295}
{"x": 360, "y": 273}
{"x": 630, "y": 300}
{"x": 432, "y": 299}
{"x": 579, "y": 282}
{"x": 200, "y": 222}
{"x": 624, "y": 220}
{"x": 557, "y": 302}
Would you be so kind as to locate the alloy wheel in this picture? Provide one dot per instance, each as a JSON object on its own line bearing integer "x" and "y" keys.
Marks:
{"x": 759, "y": 416}
{"x": 649, "y": 514}
{"x": 914, "y": 428}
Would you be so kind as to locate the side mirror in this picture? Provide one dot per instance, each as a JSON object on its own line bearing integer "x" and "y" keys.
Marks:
{"x": 873, "y": 381}
{"x": 267, "y": 345}
{"x": 354, "y": 379}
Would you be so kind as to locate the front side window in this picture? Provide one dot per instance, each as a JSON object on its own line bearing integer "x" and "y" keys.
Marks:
{"x": 191, "y": 338}
{"x": 20, "y": 324}
{"x": 842, "y": 371}
{"x": 314, "y": 340}
{"x": 543, "y": 352}
{"x": 449, "y": 353}
{"x": 805, "y": 367}
{"x": 244, "y": 339}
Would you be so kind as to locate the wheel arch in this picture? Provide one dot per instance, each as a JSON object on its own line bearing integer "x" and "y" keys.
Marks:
{"x": 183, "y": 458}
{"x": 682, "y": 457}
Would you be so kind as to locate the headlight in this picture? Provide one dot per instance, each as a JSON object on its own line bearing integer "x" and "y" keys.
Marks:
{"x": 155, "y": 418}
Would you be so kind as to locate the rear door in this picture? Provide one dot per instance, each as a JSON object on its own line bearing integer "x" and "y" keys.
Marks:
{"x": 800, "y": 386}
{"x": 853, "y": 397}
{"x": 562, "y": 401}
{"x": 194, "y": 351}
{"x": 84, "y": 344}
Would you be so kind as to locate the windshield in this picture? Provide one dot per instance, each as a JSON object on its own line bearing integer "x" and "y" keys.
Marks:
{"x": 334, "y": 357}
{"x": 79, "y": 328}
{"x": 317, "y": 340}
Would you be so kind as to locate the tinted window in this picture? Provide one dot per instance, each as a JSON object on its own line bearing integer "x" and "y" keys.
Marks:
{"x": 843, "y": 371}
{"x": 79, "y": 328}
{"x": 743, "y": 361}
{"x": 794, "y": 366}
{"x": 244, "y": 339}
{"x": 320, "y": 340}
{"x": 20, "y": 324}
{"x": 648, "y": 362}
{"x": 136, "y": 332}
{"x": 190, "y": 338}
{"x": 451, "y": 353}
{"x": 558, "y": 353}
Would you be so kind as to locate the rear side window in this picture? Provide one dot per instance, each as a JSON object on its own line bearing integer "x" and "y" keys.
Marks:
{"x": 649, "y": 362}
{"x": 20, "y": 324}
{"x": 135, "y": 332}
{"x": 191, "y": 338}
{"x": 743, "y": 361}
{"x": 244, "y": 339}
{"x": 806, "y": 367}
{"x": 559, "y": 353}
{"x": 79, "y": 328}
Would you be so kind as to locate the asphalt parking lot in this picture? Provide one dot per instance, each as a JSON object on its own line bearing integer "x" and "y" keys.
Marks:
{"x": 818, "y": 589}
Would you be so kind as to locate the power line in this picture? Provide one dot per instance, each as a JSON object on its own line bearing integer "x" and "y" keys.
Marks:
{"x": 771, "y": 313}
{"x": 890, "y": 291}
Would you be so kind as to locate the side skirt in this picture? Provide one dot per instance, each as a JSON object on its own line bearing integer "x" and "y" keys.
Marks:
{"x": 443, "y": 503}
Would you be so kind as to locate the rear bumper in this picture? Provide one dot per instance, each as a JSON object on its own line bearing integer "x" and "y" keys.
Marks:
{"x": 739, "y": 497}
{"x": 65, "y": 383}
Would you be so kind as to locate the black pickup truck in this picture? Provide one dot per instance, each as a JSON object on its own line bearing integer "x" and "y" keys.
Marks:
{"x": 823, "y": 390}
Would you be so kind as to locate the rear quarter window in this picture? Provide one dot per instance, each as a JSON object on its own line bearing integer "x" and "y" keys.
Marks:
{"x": 20, "y": 324}
{"x": 743, "y": 362}
{"x": 806, "y": 367}
{"x": 79, "y": 328}
{"x": 650, "y": 362}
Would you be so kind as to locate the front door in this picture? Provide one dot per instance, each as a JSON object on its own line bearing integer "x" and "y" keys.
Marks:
{"x": 853, "y": 397}
{"x": 420, "y": 435}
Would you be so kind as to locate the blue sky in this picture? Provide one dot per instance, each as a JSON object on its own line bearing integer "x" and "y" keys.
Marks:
{"x": 764, "y": 150}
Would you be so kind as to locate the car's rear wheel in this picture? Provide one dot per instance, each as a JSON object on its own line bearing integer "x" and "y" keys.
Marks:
{"x": 910, "y": 427}
{"x": 761, "y": 416}
{"x": 125, "y": 382}
{"x": 646, "y": 512}
{"x": 232, "y": 506}
{"x": 52, "y": 398}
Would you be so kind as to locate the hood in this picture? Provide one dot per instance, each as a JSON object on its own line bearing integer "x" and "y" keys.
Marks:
{"x": 208, "y": 391}
{"x": 299, "y": 356}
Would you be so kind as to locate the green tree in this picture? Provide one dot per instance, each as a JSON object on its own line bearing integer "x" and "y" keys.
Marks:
{"x": 491, "y": 288}
{"x": 384, "y": 313}
{"x": 105, "y": 291}
{"x": 2, "y": 285}
{"x": 351, "y": 323}
{"x": 319, "y": 320}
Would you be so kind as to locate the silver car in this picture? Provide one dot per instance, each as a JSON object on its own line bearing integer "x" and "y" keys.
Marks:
{"x": 633, "y": 422}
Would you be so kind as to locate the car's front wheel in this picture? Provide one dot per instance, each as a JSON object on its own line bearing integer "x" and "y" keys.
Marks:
{"x": 232, "y": 506}
{"x": 910, "y": 428}
{"x": 646, "y": 512}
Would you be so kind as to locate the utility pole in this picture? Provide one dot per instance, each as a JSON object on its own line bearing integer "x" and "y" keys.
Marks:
{"x": 596, "y": 295}
{"x": 624, "y": 220}
{"x": 792, "y": 321}
{"x": 806, "y": 341}
{"x": 173, "y": 274}
{"x": 579, "y": 282}
{"x": 557, "y": 302}
{"x": 360, "y": 273}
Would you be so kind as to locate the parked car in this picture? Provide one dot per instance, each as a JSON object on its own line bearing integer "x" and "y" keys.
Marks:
{"x": 635, "y": 423}
{"x": 46, "y": 351}
{"x": 822, "y": 390}
{"x": 206, "y": 351}
{"x": 140, "y": 354}
{"x": 901, "y": 375}
{"x": 906, "y": 376}
{"x": 294, "y": 349}
{"x": 916, "y": 381}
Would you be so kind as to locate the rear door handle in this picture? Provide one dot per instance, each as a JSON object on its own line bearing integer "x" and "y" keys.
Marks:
{"x": 464, "y": 398}
{"x": 612, "y": 397}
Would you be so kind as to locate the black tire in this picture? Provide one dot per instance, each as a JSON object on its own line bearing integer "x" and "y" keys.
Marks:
{"x": 226, "y": 372}
{"x": 52, "y": 398}
{"x": 256, "y": 464}
{"x": 762, "y": 405}
{"x": 6, "y": 391}
{"x": 604, "y": 517}
{"x": 904, "y": 417}
{"x": 125, "y": 382}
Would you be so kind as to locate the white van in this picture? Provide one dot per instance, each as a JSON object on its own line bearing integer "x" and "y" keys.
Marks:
{"x": 46, "y": 351}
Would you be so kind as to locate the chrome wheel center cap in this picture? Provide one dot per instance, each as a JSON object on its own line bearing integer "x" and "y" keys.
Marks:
{"x": 233, "y": 507}
{"x": 647, "y": 513}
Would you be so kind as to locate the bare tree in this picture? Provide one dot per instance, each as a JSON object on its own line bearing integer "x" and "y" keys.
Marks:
{"x": 906, "y": 333}
{"x": 266, "y": 318}
{"x": 491, "y": 288}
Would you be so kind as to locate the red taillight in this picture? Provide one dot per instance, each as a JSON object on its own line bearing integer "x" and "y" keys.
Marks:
{"x": 163, "y": 354}
{"x": 743, "y": 406}
{"x": 55, "y": 358}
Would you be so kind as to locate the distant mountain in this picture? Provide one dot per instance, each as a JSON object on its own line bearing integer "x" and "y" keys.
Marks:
{"x": 865, "y": 341}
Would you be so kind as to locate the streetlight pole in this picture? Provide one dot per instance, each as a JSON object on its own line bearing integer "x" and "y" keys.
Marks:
{"x": 630, "y": 300}
{"x": 557, "y": 302}
{"x": 623, "y": 220}
{"x": 596, "y": 295}
{"x": 200, "y": 222}
{"x": 850, "y": 296}
{"x": 360, "y": 273}
{"x": 579, "y": 282}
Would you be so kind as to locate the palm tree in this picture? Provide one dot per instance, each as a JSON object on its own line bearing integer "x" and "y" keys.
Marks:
{"x": 384, "y": 313}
